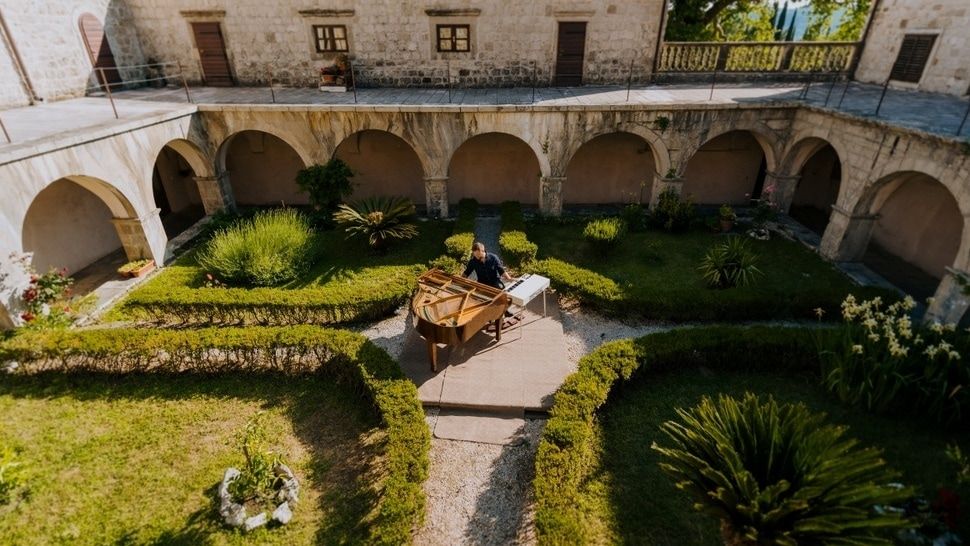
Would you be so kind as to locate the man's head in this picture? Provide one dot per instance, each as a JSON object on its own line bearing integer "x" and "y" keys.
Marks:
{"x": 478, "y": 250}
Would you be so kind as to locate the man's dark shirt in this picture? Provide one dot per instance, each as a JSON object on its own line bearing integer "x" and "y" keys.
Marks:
{"x": 489, "y": 271}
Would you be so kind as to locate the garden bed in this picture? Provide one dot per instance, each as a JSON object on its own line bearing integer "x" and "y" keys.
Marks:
{"x": 348, "y": 282}
{"x": 597, "y": 479}
{"x": 654, "y": 275}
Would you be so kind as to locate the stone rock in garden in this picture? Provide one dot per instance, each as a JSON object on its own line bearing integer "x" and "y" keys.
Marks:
{"x": 256, "y": 521}
{"x": 233, "y": 514}
{"x": 11, "y": 366}
{"x": 290, "y": 491}
{"x": 283, "y": 514}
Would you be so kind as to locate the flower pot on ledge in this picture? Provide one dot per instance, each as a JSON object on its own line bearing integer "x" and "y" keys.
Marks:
{"x": 137, "y": 268}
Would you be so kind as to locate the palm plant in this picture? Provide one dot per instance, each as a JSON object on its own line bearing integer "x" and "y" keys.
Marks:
{"x": 776, "y": 474}
{"x": 378, "y": 218}
{"x": 729, "y": 264}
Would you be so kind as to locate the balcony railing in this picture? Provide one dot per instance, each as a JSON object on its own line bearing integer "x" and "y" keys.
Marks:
{"x": 757, "y": 57}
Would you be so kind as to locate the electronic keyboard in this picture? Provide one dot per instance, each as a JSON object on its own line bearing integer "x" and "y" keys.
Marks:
{"x": 526, "y": 288}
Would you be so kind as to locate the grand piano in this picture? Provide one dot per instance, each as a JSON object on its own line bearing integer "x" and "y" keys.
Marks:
{"x": 449, "y": 309}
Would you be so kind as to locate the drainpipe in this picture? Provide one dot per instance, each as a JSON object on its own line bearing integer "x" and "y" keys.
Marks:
{"x": 17, "y": 61}
{"x": 865, "y": 36}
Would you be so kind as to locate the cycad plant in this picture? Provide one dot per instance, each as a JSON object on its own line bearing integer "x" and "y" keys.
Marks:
{"x": 379, "y": 219}
{"x": 729, "y": 264}
{"x": 776, "y": 474}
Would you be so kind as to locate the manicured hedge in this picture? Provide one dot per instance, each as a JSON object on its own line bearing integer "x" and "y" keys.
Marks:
{"x": 459, "y": 245}
{"x": 565, "y": 455}
{"x": 171, "y": 298}
{"x": 292, "y": 350}
{"x": 513, "y": 242}
{"x": 581, "y": 283}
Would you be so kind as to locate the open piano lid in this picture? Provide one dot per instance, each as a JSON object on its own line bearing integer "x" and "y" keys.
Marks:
{"x": 452, "y": 300}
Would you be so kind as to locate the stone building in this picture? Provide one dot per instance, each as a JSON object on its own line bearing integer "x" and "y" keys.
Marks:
{"x": 919, "y": 44}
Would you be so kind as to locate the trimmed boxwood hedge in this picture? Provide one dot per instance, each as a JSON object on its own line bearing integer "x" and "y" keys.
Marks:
{"x": 566, "y": 450}
{"x": 514, "y": 244}
{"x": 459, "y": 245}
{"x": 348, "y": 356}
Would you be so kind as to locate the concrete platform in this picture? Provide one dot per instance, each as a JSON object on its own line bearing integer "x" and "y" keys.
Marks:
{"x": 484, "y": 427}
{"x": 519, "y": 373}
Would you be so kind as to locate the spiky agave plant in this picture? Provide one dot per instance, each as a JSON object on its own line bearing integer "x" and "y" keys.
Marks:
{"x": 378, "y": 218}
{"x": 729, "y": 264}
{"x": 775, "y": 474}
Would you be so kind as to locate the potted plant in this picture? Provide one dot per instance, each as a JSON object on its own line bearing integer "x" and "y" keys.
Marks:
{"x": 136, "y": 268}
{"x": 329, "y": 74}
{"x": 727, "y": 217}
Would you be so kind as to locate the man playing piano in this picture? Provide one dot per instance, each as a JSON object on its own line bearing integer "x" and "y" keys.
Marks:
{"x": 487, "y": 267}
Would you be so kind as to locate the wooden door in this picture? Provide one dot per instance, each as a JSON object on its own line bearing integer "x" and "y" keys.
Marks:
{"x": 569, "y": 54}
{"x": 99, "y": 50}
{"x": 212, "y": 53}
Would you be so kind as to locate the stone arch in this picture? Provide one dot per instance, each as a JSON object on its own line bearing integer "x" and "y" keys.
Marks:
{"x": 513, "y": 176}
{"x": 261, "y": 167}
{"x": 175, "y": 188}
{"x": 915, "y": 229}
{"x": 818, "y": 168}
{"x": 74, "y": 221}
{"x": 611, "y": 167}
{"x": 729, "y": 167}
{"x": 384, "y": 164}
{"x": 658, "y": 148}
{"x": 484, "y": 123}
{"x": 766, "y": 138}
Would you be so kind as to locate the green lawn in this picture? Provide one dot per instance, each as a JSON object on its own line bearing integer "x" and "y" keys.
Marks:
{"x": 657, "y": 274}
{"x": 136, "y": 459}
{"x": 629, "y": 500}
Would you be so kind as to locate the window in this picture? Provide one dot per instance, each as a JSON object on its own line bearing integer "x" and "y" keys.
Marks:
{"x": 330, "y": 38}
{"x": 912, "y": 58}
{"x": 453, "y": 38}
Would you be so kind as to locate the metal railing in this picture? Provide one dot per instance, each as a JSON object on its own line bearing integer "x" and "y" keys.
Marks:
{"x": 147, "y": 74}
{"x": 764, "y": 57}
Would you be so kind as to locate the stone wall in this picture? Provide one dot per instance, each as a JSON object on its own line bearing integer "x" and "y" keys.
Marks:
{"x": 392, "y": 43}
{"x": 47, "y": 35}
{"x": 948, "y": 69}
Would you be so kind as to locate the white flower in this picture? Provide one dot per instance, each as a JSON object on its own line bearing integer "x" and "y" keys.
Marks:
{"x": 953, "y": 355}
{"x": 873, "y": 337}
{"x": 909, "y": 303}
{"x": 857, "y": 349}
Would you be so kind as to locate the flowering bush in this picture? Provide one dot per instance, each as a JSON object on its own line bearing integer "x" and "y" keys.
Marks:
{"x": 46, "y": 296}
{"x": 881, "y": 360}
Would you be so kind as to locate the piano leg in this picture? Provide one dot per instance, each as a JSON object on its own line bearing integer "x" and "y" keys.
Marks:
{"x": 498, "y": 327}
{"x": 433, "y": 356}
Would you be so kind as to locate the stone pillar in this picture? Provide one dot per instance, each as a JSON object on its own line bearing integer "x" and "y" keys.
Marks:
{"x": 216, "y": 192}
{"x": 6, "y": 318}
{"x": 550, "y": 195}
{"x": 436, "y": 195}
{"x": 783, "y": 189}
{"x": 847, "y": 235}
{"x": 142, "y": 237}
{"x": 949, "y": 301}
{"x": 662, "y": 184}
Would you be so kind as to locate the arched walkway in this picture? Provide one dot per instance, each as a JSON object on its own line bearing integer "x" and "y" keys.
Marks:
{"x": 176, "y": 191}
{"x": 494, "y": 167}
{"x": 820, "y": 177}
{"x": 383, "y": 165}
{"x": 262, "y": 169}
{"x": 611, "y": 168}
{"x": 729, "y": 168}
{"x": 916, "y": 232}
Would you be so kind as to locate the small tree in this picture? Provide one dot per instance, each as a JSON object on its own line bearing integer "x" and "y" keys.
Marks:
{"x": 326, "y": 185}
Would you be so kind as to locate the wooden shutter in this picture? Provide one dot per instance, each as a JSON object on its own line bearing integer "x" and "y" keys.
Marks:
{"x": 912, "y": 57}
{"x": 99, "y": 50}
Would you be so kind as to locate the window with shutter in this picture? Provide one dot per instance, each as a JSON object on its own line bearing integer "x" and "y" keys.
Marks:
{"x": 330, "y": 38}
{"x": 912, "y": 58}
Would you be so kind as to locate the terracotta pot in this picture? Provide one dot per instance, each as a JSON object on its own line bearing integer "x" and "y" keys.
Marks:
{"x": 144, "y": 270}
{"x": 328, "y": 79}
{"x": 726, "y": 225}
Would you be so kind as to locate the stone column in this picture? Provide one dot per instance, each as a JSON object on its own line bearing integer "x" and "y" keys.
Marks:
{"x": 142, "y": 237}
{"x": 949, "y": 301}
{"x": 847, "y": 235}
{"x": 436, "y": 195}
{"x": 216, "y": 192}
{"x": 783, "y": 189}
{"x": 662, "y": 184}
{"x": 550, "y": 195}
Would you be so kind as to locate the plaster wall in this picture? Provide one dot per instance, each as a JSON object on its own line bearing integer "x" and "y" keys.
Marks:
{"x": 262, "y": 170}
{"x": 492, "y": 168}
{"x": 383, "y": 165}
{"x": 614, "y": 168}
{"x": 948, "y": 68}
{"x": 68, "y": 226}
{"x": 724, "y": 170}
{"x": 177, "y": 179}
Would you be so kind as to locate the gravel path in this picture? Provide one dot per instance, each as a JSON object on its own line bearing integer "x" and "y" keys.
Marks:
{"x": 487, "y": 230}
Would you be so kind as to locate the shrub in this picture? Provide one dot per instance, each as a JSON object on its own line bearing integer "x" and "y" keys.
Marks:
{"x": 257, "y": 480}
{"x": 671, "y": 213}
{"x": 379, "y": 219}
{"x": 345, "y": 355}
{"x": 884, "y": 362}
{"x": 605, "y": 233}
{"x": 634, "y": 216}
{"x": 459, "y": 245}
{"x": 725, "y": 212}
{"x": 729, "y": 264}
{"x": 512, "y": 219}
{"x": 269, "y": 249}
{"x": 576, "y": 281}
{"x": 516, "y": 248}
{"x": 46, "y": 298}
{"x": 447, "y": 264}
{"x": 326, "y": 186}
{"x": 777, "y": 474}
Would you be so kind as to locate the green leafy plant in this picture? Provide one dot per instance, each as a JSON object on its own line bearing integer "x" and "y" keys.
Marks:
{"x": 605, "y": 233}
{"x": 459, "y": 245}
{"x": 777, "y": 474}
{"x": 729, "y": 264}
{"x": 671, "y": 213}
{"x": 257, "y": 481}
{"x": 47, "y": 298}
{"x": 271, "y": 248}
{"x": 513, "y": 242}
{"x": 11, "y": 475}
{"x": 725, "y": 212}
{"x": 661, "y": 123}
{"x": 326, "y": 186}
{"x": 634, "y": 216}
{"x": 379, "y": 219}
